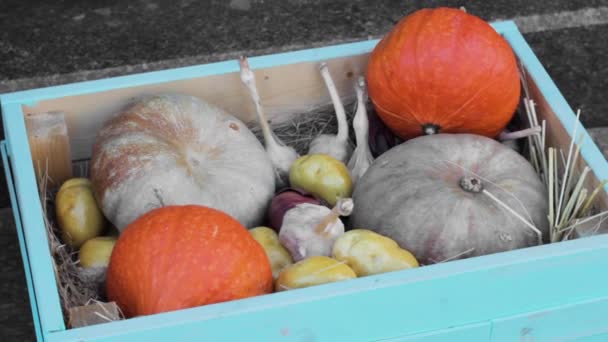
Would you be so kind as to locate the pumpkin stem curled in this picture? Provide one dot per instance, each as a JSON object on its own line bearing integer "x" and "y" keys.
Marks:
{"x": 471, "y": 184}
{"x": 429, "y": 129}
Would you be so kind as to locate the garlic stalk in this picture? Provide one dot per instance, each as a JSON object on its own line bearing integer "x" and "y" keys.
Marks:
{"x": 337, "y": 145}
{"x": 281, "y": 155}
{"x": 362, "y": 156}
{"x": 311, "y": 229}
{"x": 524, "y": 133}
{"x": 343, "y": 207}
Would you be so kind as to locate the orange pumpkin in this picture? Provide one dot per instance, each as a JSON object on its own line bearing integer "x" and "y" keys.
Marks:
{"x": 443, "y": 70}
{"x": 178, "y": 257}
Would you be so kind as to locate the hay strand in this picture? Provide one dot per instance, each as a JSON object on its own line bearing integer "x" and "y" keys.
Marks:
{"x": 304, "y": 127}
{"x": 76, "y": 285}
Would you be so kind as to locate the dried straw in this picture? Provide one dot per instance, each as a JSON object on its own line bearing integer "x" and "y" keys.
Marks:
{"x": 76, "y": 285}
{"x": 569, "y": 204}
{"x": 304, "y": 127}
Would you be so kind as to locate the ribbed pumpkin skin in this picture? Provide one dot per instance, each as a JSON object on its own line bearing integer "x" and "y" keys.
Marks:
{"x": 174, "y": 149}
{"x": 178, "y": 257}
{"x": 447, "y": 68}
{"x": 411, "y": 194}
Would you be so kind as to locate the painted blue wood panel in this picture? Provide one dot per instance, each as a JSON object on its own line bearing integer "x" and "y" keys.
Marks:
{"x": 36, "y": 239}
{"x": 390, "y": 305}
{"x": 19, "y": 227}
{"x": 470, "y": 333}
{"x": 569, "y": 322}
{"x": 595, "y": 338}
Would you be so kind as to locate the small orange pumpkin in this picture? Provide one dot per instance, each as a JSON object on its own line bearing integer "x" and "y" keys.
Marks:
{"x": 178, "y": 257}
{"x": 443, "y": 70}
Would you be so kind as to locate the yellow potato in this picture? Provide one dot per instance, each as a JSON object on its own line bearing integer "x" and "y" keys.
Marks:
{"x": 312, "y": 271}
{"x": 278, "y": 255}
{"x": 322, "y": 176}
{"x": 78, "y": 214}
{"x": 368, "y": 252}
{"x": 96, "y": 252}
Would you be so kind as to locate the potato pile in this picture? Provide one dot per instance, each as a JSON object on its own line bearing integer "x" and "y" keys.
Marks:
{"x": 83, "y": 226}
{"x": 355, "y": 253}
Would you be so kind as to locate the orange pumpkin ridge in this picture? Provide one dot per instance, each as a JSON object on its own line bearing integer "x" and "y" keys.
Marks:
{"x": 178, "y": 257}
{"x": 443, "y": 70}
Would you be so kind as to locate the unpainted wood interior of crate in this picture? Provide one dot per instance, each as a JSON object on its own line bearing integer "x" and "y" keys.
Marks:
{"x": 285, "y": 90}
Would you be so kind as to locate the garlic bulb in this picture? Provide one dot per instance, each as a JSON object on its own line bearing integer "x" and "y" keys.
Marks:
{"x": 311, "y": 229}
{"x": 337, "y": 145}
{"x": 362, "y": 156}
{"x": 283, "y": 201}
{"x": 281, "y": 155}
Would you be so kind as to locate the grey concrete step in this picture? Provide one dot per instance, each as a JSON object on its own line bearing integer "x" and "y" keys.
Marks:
{"x": 46, "y": 43}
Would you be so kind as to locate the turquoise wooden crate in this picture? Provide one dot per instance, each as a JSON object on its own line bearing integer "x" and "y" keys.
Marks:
{"x": 555, "y": 292}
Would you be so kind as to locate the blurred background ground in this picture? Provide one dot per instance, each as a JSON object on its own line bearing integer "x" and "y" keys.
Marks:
{"x": 46, "y": 43}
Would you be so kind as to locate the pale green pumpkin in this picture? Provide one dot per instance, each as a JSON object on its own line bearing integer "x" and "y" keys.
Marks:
{"x": 433, "y": 196}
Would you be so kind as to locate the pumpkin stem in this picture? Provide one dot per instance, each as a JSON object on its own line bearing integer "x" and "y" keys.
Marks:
{"x": 471, "y": 184}
{"x": 159, "y": 197}
{"x": 429, "y": 129}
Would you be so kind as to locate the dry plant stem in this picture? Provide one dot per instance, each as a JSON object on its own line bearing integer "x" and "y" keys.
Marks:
{"x": 567, "y": 231}
{"x": 281, "y": 155}
{"x": 551, "y": 187}
{"x": 470, "y": 250}
{"x": 343, "y": 207}
{"x": 555, "y": 176}
{"x": 579, "y": 203}
{"x": 587, "y": 207}
{"x": 569, "y": 183}
{"x": 105, "y": 309}
{"x": 540, "y": 145}
{"x": 543, "y": 133}
{"x": 504, "y": 205}
{"x": 569, "y": 200}
{"x": 577, "y": 192}
{"x": 567, "y": 169}
{"x": 74, "y": 290}
{"x": 342, "y": 134}
{"x": 304, "y": 127}
{"x": 580, "y": 221}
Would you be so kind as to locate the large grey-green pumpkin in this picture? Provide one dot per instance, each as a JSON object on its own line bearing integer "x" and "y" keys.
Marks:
{"x": 432, "y": 195}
